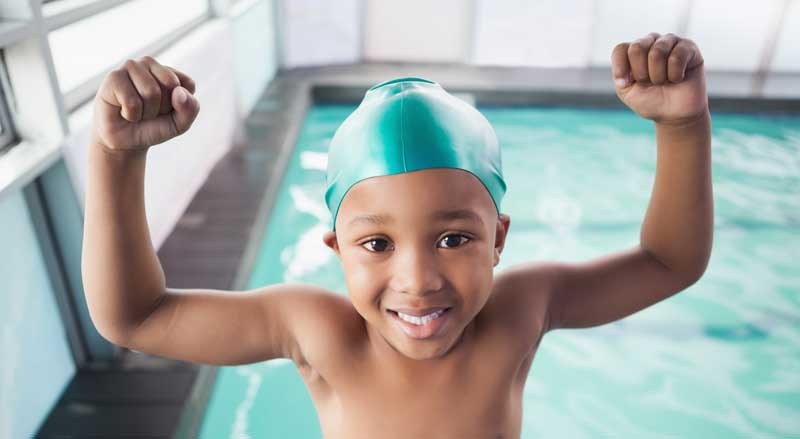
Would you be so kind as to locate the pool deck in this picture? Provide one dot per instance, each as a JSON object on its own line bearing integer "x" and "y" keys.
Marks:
{"x": 215, "y": 242}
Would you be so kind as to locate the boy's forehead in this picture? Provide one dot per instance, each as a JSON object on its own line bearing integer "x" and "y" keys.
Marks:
{"x": 428, "y": 192}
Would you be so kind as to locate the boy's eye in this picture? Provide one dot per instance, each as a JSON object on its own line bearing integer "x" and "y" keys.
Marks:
{"x": 380, "y": 247}
{"x": 454, "y": 240}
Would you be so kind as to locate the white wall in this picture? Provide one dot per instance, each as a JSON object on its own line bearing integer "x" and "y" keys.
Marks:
{"x": 177, "y": 168}
{"x": 316, "y": 32}
{"x": 787, "y": 49}
{"x": 255, "y": 53}
{"x": 616, "y": 21}
{"x": 124, "y": 35}
{"x": 418, "y": 30}
{"x": 548, "y": 33}
{"x": 231, "y": 61}
{"x": 733, "y": 34}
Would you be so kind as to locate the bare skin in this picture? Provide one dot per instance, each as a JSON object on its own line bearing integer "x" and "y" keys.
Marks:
{"x": 367, "y": 375}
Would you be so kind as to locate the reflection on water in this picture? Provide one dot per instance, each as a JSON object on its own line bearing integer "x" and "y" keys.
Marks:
{"x": 743, "y": 332}
{"x": 720, "y": 359}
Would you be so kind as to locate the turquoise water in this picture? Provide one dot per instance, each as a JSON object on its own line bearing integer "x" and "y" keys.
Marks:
{"x": 719, "y": 360}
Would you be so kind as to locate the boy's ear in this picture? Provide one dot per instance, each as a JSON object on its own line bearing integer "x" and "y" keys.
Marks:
{"x": 503, "y": 222}
{"x": 329, "y": 238}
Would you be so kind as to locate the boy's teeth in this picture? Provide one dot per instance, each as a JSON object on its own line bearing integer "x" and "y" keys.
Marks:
{"x": 423, "y": 320}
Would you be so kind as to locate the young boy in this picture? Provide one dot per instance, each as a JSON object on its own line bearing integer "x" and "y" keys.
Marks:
{"x": 430, "y": 342}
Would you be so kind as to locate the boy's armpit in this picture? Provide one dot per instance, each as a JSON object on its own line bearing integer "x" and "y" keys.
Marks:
{"x": 521, "y": 298}
{"x": 234, "y": 327}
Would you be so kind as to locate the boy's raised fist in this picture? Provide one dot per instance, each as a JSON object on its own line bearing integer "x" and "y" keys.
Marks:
{"x": 661, "y": 78}
{"x": 143, "y": 103}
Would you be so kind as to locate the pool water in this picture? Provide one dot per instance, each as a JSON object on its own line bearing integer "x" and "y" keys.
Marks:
{"x": 718, "y": 360}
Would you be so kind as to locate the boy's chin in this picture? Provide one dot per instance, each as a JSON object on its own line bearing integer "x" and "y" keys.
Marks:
{"x": 431, "y": 348}
{"x": 421, "y": 349}
{"x": 420, "y": 352}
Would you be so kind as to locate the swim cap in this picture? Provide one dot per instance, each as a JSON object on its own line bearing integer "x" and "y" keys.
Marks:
{"x": 405, "y": 125}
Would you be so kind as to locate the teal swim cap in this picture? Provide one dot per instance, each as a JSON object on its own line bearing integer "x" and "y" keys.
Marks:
{"x": 405, "y": 125}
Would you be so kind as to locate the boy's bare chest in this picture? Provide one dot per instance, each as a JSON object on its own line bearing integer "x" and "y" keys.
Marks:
{"x": 479, "y": 394}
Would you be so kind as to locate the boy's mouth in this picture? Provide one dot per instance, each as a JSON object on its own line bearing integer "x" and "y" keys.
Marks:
{"x": 421, "y": 326}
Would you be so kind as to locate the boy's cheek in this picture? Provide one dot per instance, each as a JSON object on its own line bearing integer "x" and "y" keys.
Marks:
{"x": 363, "y": 287}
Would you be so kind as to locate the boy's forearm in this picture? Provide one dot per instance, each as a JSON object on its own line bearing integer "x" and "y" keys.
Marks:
{"x": 122, "y": 276}
{"x": 679, "y": 224}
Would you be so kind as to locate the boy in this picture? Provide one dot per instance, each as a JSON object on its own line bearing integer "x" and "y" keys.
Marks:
{"x": 430, "y": 342}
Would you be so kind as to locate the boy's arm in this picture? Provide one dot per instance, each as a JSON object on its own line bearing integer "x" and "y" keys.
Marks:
{"x": 676, "y": 237}
{"x": 124, "y": 284}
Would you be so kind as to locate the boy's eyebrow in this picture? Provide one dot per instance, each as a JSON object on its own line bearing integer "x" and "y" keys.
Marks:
{"x": 375, "y": 219}
{"x": 440, "y": 215}
{"x": 465, "y": 214}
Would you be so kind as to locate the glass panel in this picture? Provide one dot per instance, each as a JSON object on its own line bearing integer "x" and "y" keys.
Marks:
{"x": 787, "y": 50}
{"x": 617, "y": 21}
{"x": 319, "y": 32}
{"x": 254, "y": 32}
{"x": 36, "y": 360}
{"x": 731, "y": 33}
{"x": 548, "y": 33}
{"x": 88, "y": 47}
{"x": 439, "y": 35}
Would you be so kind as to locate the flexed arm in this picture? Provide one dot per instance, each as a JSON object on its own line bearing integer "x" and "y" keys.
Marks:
{"x": 661, "y": 78}
{"x": 668, "y": 87}
{"x": 140, "y": 105}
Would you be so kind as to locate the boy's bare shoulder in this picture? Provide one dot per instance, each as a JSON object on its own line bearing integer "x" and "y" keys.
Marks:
{"x": 519, "y": 299}
{"x": 321, "y": 322}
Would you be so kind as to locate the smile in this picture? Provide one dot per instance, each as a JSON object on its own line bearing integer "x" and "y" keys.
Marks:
{"x": 421, "y": 327}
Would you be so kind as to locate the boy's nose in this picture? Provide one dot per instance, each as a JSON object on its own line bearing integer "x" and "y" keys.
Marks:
{"x": 417, "y": 273}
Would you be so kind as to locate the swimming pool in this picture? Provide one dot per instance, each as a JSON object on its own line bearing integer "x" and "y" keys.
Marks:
{"x": 721, "y": 359}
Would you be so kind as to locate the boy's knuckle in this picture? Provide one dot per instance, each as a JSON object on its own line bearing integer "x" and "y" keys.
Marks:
{"x": 131, "y": 110}
{"x": 658, "y": 51}
{"x": 684, "y": 52}
{"x": 148, "y": 59}
{"x": 115, "y": 77}
{"x": 131, "y": 102}
{"x": 172, "y": 82}
{"x": 129, "y": 64}
{"x": 674, "y": 59}
{"x": 635, "y": 48}
{"x": 151, "y": 93}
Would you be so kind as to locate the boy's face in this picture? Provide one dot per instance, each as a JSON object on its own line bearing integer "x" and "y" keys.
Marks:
{"x": 399, "y": 251}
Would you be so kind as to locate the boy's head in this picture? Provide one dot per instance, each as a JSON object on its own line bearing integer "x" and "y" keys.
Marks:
{"x": 414, "y": 189}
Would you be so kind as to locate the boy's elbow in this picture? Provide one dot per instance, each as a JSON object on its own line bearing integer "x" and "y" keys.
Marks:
{"x": 696, "y": 272}
{"x": 113, "y": 333}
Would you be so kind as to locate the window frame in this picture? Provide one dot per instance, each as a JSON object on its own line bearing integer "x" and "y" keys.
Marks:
{"x": 8, "y": 137}
{"x": 26, "y": 20}
{"x": 84, "y": 92}
{"x": 31, "y": 152}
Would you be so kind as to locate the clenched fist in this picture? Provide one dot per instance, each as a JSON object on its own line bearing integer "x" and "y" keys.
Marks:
{"x": 143, "y": 103}
{"x": 661, "y": 78}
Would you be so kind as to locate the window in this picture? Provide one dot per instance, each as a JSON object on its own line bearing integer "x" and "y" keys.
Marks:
{"x": 7, "y": 135}
{"x": 85, "y": 50}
